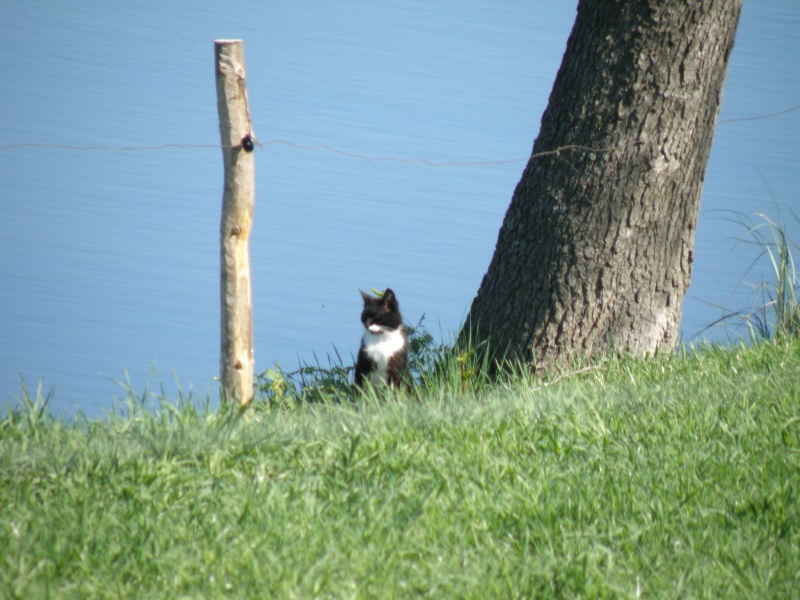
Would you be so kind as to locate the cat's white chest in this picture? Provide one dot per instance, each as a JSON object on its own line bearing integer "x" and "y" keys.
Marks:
{"x": 380, "y": 348}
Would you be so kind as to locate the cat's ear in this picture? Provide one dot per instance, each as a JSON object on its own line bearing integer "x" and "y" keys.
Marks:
{"x": 365, "y": 295}
{"x": 388, "y": 295}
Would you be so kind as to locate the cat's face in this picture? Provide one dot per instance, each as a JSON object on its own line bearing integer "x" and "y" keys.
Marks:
{"x": 381, "y": 315}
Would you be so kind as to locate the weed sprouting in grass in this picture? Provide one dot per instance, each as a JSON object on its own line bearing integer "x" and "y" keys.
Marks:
{"x": 775, "y": 310}
{"x": 310, "y": 383}
{"x": 783, "y": 296}
{"x": 30, "y": 413}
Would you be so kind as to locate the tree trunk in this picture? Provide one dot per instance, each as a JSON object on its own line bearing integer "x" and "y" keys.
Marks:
{"x": 595, "y": 251}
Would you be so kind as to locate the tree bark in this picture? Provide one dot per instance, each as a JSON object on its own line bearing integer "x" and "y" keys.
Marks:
{"x": 595, "y": 251}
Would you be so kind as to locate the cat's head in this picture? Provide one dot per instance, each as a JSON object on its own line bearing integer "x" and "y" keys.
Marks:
{"x": 381, "y": 314}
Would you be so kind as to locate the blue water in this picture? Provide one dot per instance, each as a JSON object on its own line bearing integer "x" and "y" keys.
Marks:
{"x": 109, "y": 262}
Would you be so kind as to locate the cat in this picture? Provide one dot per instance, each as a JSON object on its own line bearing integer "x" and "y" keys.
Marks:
{"x": 383, "y": 356}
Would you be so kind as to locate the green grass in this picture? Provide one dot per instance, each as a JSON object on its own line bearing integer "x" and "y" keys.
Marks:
{"x": 677, "y": 476}
{"x": 775, "y": 310}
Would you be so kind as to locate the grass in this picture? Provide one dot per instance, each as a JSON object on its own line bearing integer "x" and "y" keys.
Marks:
{"x": 775, "y": 310}
{"x": 672, "y": 477}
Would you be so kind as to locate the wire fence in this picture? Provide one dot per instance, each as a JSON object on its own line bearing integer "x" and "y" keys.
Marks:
{"x": 357, "y": 155}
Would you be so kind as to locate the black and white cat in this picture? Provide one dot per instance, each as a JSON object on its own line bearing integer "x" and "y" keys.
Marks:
{"x": 383, "y": 356}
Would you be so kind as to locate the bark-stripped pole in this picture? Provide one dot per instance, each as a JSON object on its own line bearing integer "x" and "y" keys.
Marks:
{"x": 236, "y": 358}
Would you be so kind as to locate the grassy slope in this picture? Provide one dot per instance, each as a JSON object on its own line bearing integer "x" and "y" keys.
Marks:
{"x": 676, "y": 477}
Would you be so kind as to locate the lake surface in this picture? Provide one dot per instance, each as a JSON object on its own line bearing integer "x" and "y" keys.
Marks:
{"x": 109, "y": 265}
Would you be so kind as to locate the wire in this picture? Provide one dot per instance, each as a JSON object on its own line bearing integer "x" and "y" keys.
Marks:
{"x": 356, "y": 155}
{"x": 769, "y": 116}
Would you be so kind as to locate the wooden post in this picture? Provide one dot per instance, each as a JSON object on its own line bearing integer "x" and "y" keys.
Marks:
{"x": 236, "y": 358}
